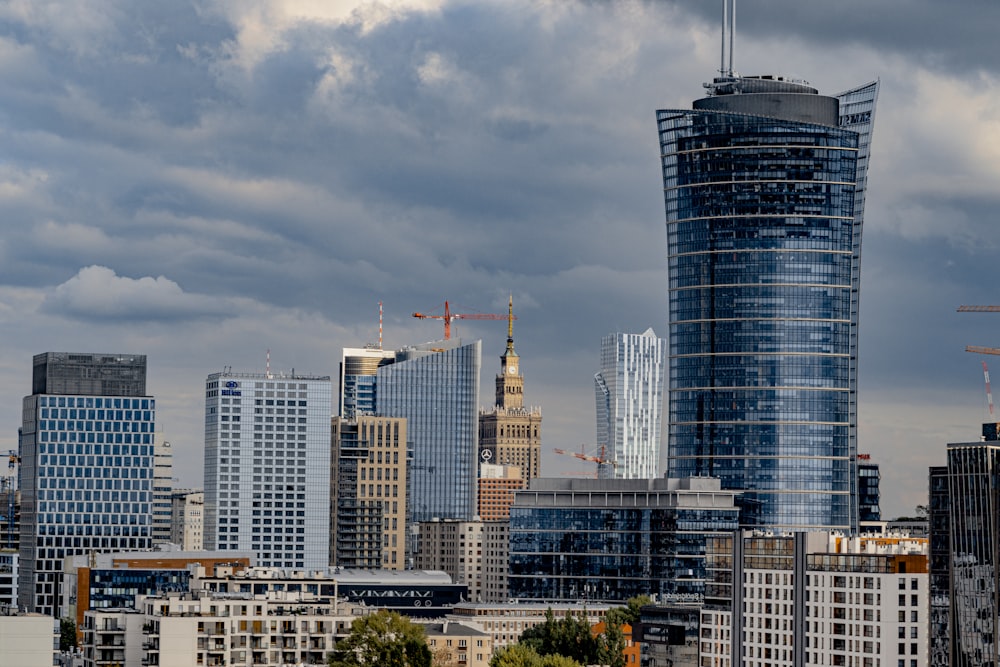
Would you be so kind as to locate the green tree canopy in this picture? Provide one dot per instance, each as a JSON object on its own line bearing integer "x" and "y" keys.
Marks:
{"x": 67, "y": 634}
{"x": 383, "y": 639}
{"x": 520, "y": 655}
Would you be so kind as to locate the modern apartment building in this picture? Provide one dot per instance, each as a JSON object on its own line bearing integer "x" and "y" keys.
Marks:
{"x": 369, "y": 493}
{"x": 510, "y": 432}
{"x": 629, "y": 393}
{"x": 815, "y": 598}
{"x": 612, "y": 540}
{"x": 87, "y": 466}
{"x": 435, "y": 387}
{"x": 267, "y": 467}
{"x": 463, "y": 550}
{"x": 764, "y": 185}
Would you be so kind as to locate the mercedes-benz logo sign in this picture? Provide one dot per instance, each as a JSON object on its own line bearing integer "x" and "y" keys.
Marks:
{"x": 486, "y": 454}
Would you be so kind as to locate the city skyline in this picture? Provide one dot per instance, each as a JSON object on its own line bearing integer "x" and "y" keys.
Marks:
{"x": 201, "y": 184}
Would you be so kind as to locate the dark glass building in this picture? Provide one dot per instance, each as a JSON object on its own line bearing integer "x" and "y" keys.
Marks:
{"x": 764, "y": 184}
{"x": 973, "y": 497}
{"x": 612, "y": 540}
{"x": 869, "y": 496}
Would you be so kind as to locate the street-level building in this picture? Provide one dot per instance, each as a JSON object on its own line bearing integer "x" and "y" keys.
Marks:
{"x": 27, "y": 639}
{"x": 505, "y": 621}
{"x": 458, "y": 644}
{"x": 815, "y": 598}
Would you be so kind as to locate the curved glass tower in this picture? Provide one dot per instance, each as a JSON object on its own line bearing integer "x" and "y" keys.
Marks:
{"x": 764, "y": 187}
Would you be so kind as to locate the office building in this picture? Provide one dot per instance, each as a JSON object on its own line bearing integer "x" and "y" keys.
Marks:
{"x": 358, "y": 369}
{"x": 163, "y": 486}
{"x": 869, "y": 496}
{"x": 510, "y": 432}
{"x": 969, "y": 633}
{"x": 497, "y": 485}
{"x": 435, "y": 387}
{"x": 939, "y": 538}
{"x": 87, "y": 466}
{"x": 764, "y": 187}
{"x": 267, "y": 467}
{"x": 612, "y": 540}
{"x": 187, "y": 519}
{"x": 629, "y": 392}
{"x": 368, "y": 487}
{"x": 816, "y": 598}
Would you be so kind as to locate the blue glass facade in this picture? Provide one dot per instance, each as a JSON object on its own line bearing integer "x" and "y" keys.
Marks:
{"x": 87, "y": 468}
{"x": 764, "y": 217}
{"x": 603, "y": 540}
{"x": 435, "y": 387}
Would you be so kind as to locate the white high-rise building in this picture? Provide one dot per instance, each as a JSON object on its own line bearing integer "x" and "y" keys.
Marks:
{"x": 267, "y": 467}
{"x": 163, "y": 484}
{"x": 629, "y": 393}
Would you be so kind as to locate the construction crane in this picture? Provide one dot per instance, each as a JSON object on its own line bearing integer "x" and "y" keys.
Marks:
{"x": 605, "y": 466}
{"x": 450, "y": 317}
{"x": 979, "y": 349}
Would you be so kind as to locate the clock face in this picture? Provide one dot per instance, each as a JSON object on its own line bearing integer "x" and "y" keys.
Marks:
{"x": 512, "y": 370}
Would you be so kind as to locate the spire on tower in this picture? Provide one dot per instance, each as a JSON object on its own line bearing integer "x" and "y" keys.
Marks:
{"x": 510, "y": 324}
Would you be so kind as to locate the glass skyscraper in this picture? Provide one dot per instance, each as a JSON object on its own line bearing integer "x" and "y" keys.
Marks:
{"x": 86, "y": 466}
{"x": 629, "y": 393}
{"x": 435, "y": 386}
{"x": 764, "y": 184}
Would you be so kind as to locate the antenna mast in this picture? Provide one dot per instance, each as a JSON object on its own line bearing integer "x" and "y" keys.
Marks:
{"x": 380, "y": 325}
{"x": 728, "y": 32}
{"x": 267, "y": 364}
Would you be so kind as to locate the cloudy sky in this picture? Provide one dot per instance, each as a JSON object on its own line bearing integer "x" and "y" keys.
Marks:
{"x": 204, "y": 180}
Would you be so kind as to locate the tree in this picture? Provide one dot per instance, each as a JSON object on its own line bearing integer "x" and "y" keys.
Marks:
{"x": 569, "y": 636}
{"x": 520, "y": 655}
{"x": 67, "y": 634}
{"x": 383, "y": 639}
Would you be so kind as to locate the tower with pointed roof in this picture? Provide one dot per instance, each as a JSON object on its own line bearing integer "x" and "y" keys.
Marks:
{"x": 509, "y": 432}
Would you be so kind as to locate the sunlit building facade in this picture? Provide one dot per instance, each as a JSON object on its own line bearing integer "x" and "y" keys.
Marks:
{"x": 267, "y": 467}
{"x": 764, "y": 186}
{"x": 629, "y": 394}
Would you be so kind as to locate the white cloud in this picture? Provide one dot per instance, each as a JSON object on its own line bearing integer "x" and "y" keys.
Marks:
{"x": 98, "y": 293}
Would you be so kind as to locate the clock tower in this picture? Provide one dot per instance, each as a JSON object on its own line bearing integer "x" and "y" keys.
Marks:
{"x": 510, "y": 433}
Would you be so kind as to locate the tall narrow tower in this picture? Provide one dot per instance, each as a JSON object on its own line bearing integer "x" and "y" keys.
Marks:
{"x": 509, "y": 433}
{"x": 764, "y": 183}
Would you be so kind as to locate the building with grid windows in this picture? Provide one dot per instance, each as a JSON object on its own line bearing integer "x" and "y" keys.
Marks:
{"x": 435, "y": 387}
{"x": 358, "y": 370}
{"x": 816, "y": 598}
{"x": 965, "y": 499}
{"x": 629, "y": 392}
{"x": 87, "y": 466}
{"x": 368, "y": 487}
{"x": 764, "y": 186}
{"x": 267, "y": 467}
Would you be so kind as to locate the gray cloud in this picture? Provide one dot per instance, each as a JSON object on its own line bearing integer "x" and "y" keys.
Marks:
{"x": 283, "y": 167}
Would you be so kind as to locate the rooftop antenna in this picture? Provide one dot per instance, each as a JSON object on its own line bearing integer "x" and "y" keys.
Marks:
{"x": 380, "y": 325}
{"x": 728, "y": 32}
{"x": 267, "y": 364}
